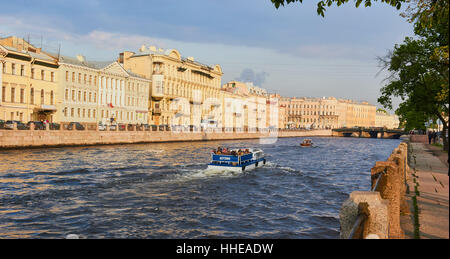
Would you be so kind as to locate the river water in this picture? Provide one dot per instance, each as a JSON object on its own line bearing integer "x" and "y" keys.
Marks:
{"x": 163, "y": 190}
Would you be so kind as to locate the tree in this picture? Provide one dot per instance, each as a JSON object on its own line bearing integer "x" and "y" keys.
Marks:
{"x": 420, "y": 67}
{"x": 321, "y": 5}
{"x": 420, "y": 81}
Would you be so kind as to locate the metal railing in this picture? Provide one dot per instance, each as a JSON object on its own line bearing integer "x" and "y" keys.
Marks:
{"x": 378, "y": 177}
{"x": 357, "y": 230}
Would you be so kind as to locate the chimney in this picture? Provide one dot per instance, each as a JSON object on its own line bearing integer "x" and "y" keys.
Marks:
{"x": 123, "y": 58}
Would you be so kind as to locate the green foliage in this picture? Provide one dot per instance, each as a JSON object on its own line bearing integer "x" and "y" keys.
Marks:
{"x": 410, "y": 118}
{"x": 420, "y": 67}
{"x": 416, "y": 77}
{"x": 321, "y": 5}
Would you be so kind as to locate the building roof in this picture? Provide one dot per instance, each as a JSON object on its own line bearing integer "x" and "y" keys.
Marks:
{"x": 143, "y": 51}
{"x": 41, "y": 56}
{"x": 83, "y": 62}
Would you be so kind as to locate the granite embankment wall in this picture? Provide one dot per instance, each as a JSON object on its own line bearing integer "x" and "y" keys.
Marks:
{"x": 419, "y": 139}
{"x": 52, "y": 138}
{"x": 376, "y": 213}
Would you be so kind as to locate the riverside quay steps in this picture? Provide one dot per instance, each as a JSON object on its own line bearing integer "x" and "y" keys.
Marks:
{"x": 17, "y": 139}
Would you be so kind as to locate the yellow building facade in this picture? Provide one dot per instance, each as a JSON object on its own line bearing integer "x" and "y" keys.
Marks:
{"x": 328, "y": 113}
{"x": 101, "y": 92}
{"x": 180, "y": 86}
{"x": 386, "y": 120}
{"x": 356, "y": 114}
{"x": 317, "y": 113}
{"x": 78, "y": 89}
{"x": 29, "y": 82}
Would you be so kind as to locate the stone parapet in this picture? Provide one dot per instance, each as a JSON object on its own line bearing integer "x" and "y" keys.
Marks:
{"x": 376, "y": 211}
{"x": 389, "y": 185}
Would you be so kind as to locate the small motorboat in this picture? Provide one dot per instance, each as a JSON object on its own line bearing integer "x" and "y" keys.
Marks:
{"x": 306, "y": 143}
{"x": 237, "y": 160}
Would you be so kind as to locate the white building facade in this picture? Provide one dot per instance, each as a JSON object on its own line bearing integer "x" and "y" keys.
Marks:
{"x": 123, "y": 96}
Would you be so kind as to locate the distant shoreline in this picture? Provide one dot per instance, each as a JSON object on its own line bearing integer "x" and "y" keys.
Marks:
{"x": 17, "y": 140}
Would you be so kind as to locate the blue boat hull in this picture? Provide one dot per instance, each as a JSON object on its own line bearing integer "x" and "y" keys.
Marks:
{"x": 238, "y": 168}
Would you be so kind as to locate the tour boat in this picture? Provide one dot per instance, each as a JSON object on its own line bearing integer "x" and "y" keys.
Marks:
{"x": 306, "y": 143}
{"x": 237, "y": 160}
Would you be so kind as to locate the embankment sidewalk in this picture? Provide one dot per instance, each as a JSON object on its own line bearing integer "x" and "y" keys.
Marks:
{"x": 428, "y": 183}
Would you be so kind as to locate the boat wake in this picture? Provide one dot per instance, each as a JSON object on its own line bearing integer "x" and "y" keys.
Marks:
{"x": 189, "y": 175}
{"x": 282, "y": 168}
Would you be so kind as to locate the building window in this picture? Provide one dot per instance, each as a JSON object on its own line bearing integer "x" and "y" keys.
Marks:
{"x": 71, "y": 112}
{"x": 22, "y": 95}
{"x": 73, "y": 76}
{"x": 52, "y": 76}
{"x": 78, "y": 112}
{"x": 67, "y": 76}
{"x": 51, "y": 98}
{"x": 42, "y": 96}
{"x": 79, "y": 77}
{"x": 84, "y": 96}
{"x": 13, "y": 68}
{"x": 32, "y": 96}
{"x": 42, "y": 74}
{"x": 65, "y": 112}
{"x": 66, "y": 95}
{"x": 79, "y": 96}
{"x": 3, "y": 94}
{"x": 13, "y": 92}
{"x": 22, "y": 70}
{"x": 32, "y": 73}
{"x": 90, "y": 97}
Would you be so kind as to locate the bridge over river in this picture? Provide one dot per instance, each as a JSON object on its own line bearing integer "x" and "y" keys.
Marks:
{"x": 369, "y": 133}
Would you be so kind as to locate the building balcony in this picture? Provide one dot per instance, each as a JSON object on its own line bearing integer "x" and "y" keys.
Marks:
{"x": 157, "y": 112}
{"x": 46, "y": 108}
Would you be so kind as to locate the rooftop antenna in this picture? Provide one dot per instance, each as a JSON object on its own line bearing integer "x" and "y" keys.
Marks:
{"x": 59, "y": 51}
{"x": 28, "y": 42}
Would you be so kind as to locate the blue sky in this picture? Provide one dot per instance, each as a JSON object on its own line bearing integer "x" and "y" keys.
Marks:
{"x": 291, "y": 50}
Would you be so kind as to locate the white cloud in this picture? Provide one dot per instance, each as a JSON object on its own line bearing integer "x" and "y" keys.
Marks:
{"x": 97, "y": 39}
